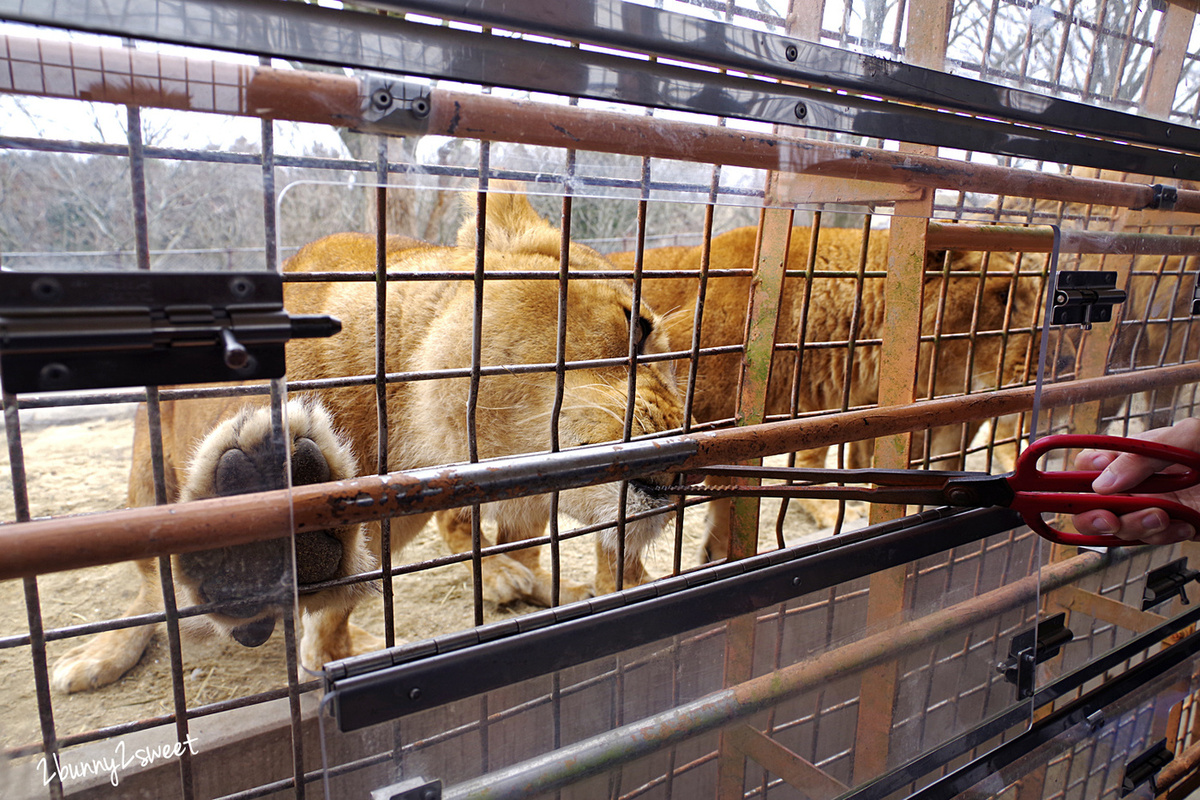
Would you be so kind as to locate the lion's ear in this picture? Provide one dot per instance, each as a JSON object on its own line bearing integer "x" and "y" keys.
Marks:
{"x": 512, "y": 224}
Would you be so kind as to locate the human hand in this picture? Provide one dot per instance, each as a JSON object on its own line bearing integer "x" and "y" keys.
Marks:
{"x": 1121, "y": 472}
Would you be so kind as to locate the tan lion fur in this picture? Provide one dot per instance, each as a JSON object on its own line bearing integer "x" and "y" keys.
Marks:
{"x": 428, "y": 328}
{"x": 830, "y": 311}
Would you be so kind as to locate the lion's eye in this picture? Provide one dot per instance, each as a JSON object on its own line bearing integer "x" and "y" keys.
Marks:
{"x": 641, "y": 333}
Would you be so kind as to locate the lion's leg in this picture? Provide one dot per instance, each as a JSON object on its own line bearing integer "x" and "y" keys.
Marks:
{"x": 110, "y": 655}
{"x": 505, "y": 580}
{"x": 507, "y": 577}
{"x": 716, "y": 530}
{"x": 1004, "y": 456}
{"x": 540, "y": 593}
{"x": 330, "y": 636}
{"x": 606, "y": 562}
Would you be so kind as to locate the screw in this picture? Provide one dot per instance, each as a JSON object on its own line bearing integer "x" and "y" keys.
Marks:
{"x": 54, "y": 376}
{"x": 381, "y": 99}
{"x": 796, "y": 581}
{"x": 420, "y": 107}
{"x": 960, "y": 496}
{"x": 801, "y": 110}
{"x": 414, "y": 693}
{"x": 241, "y": 287}
{"x": 791, "y": 52}
{"x": 46, "y": 289}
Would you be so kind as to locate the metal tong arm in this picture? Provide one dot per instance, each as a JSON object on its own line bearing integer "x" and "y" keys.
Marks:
{"x": 902, "y": 486}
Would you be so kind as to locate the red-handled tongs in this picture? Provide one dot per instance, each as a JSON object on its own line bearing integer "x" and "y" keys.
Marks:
{"x": 1028, "y": 490}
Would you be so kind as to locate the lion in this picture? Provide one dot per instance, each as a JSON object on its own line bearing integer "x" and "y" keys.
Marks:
{"x": 216, "y": 447}
{"x": 967, "y": 307}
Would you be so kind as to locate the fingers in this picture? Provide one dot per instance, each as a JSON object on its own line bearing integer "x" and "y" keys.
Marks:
{"x": 1122, "y": 471}
{"x": 1151, "y": 526}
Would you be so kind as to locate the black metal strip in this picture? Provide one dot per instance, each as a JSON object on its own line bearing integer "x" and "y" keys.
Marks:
{"x": 376, "y": 688}
{"x": 666, "y": 34}
{"x": 387, "y": 44}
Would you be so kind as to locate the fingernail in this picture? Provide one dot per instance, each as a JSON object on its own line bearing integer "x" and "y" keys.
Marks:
{"x": 1103, "y": 482}
{"x": 1181, "y": 531}
{"x": 1151, "y": 522}
{"x": 1102, "y": 525}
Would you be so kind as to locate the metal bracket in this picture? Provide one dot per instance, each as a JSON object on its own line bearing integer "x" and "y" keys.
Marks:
{"x": 1081, "y": 298}
{"x": 1030, "y": 648}
{"x": 97, "y": 330}
{"x": 393, "y": 106}
{"x": 411, "y": 789}
{"x": 1145, "y": 767}
{"x": 1166, "y": 582}
{"x": 1164, "y": 197}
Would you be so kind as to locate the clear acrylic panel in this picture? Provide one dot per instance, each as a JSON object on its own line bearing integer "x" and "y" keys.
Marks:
{"x": 1119, "y": 749}
{"x": 1120, "y": 307}
{"x": 128, "y": 673}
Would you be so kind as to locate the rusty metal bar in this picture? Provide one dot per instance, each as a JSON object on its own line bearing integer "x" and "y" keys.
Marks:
{"x": 722, "y": 708}
{"x": 65, "y": 543}
{"x": 152, "y": 79}
{"x": 491, "y": 118}
{"x": 1182, "y": 767}
{"x": 159, "y": 80}
{"x": 1017, "y": 239}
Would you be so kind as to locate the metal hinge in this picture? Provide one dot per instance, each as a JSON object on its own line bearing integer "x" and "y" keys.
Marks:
{"x": 99, "y": 330}
{"x": 411, "y": 789}
{"x": 1166, "y": 582}
{"x": 1146, "y": 767}
{"x": 1081, "y": 298}
{"x": 1030, "y": 648}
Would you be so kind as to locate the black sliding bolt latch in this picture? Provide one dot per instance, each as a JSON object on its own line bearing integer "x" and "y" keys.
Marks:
{"x": 1030, "y": 648}
{"x": 1166, "y": 582}
{"x": 1081, "y": 298}
{"x": 99, "y": 330}
{"x": 1146, "y": 767}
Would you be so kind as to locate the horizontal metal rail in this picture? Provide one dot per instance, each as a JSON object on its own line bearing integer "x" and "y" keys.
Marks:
{"x": 88, "y": 72}
{"x": 299, "y": 32}
{"x": 58, "y": 544}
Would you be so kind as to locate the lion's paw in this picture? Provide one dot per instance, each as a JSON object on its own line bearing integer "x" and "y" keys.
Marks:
{"x": 100, "y": 661}
{"x": 506, "y": 580}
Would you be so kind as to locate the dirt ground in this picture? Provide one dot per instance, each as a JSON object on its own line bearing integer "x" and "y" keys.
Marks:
{"x": 77, "y": 461}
